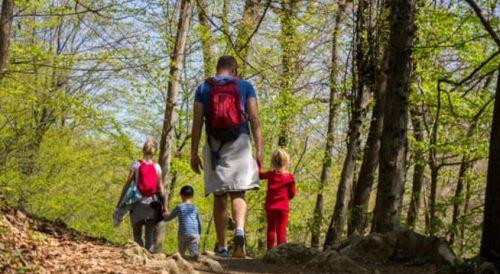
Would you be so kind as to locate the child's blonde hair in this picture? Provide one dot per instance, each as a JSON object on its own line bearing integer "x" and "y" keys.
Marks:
{"x": 149, "y": 148}
{"x": 280, "y": 159}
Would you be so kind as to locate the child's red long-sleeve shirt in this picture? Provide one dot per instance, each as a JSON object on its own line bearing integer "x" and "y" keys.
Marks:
{"x": 280, "y": 189}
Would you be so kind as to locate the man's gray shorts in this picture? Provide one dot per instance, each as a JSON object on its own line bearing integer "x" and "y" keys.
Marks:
{"x": 235, "y": 171}
{"x": 189, "y": 242}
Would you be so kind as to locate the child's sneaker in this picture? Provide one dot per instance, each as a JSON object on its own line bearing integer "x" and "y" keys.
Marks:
{"x": 239, "y": 244}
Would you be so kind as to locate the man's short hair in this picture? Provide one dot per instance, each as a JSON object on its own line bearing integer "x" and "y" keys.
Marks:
{"x": 187, "y": 191}
{"x": 227, "y": 62}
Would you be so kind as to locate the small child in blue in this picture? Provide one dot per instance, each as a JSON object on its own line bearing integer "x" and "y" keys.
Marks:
{"x": 189, "y": 222}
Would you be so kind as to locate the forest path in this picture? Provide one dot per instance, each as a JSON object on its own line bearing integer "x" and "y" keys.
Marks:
{"x": 32, "y": 245}
{"x": 35, "y": 245}
{"x": 257, "y": 266}
{"x": 250, "y": 265}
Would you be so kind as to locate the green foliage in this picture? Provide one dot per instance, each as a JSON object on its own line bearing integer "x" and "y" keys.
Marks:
{"x": 84, "y": 89}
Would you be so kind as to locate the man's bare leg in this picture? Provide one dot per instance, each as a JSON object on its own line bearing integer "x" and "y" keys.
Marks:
{"x": 239, "y": 208}
{"x": 220, "y": 220}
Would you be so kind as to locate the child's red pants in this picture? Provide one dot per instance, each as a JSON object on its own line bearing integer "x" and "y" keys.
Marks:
{"x": 277, "y": 220}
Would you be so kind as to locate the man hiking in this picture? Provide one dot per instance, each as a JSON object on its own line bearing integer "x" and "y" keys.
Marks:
{"x": 226, "y": 104}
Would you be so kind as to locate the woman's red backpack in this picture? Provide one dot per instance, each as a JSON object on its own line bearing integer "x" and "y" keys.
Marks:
{"x": 225, "y": 116}
{"x": 147, "y": 179}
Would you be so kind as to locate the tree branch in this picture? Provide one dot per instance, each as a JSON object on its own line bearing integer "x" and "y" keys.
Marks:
{"x": 485, "y": 22}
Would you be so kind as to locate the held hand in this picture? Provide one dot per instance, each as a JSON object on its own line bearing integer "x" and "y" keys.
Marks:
{"x": 258, "y": 158}
{"x": 196, "y": 165}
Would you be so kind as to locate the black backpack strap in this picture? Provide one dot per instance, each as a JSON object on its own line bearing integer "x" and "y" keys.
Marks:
{"x": 214, "y": 154}
{"x": 211, "y": 81}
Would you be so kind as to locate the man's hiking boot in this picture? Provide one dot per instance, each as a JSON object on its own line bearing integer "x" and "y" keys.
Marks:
{"x": 222, "y": 252}
{"x": 239, "y": 244}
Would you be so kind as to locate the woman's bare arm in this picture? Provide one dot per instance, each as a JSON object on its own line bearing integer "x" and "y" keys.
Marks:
{"x": 126, "y": 186}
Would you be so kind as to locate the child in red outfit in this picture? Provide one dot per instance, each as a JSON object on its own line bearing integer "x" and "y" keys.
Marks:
{"x": 280, "y": 189}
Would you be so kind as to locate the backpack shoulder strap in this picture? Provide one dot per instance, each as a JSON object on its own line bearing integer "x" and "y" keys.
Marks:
{"x": 158, "y": 169}
{"x": 211, "y": 81}
{"x": 235, "y": 80}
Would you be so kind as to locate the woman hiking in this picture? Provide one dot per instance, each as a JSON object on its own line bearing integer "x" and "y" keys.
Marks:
{"x": 143, "y": 195}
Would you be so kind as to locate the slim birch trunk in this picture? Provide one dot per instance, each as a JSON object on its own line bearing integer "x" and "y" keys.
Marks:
{"x": 333, "y": 105}
{"x": 166, "y": 143}
{"x": 465, "y": 165}
{"x": 289, "y": 54}
{"x": 205, "y": 32}
{"x": 246, "y": 27}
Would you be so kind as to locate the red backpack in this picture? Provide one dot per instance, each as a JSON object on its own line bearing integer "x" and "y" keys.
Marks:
{"x": 147, "y": 179}
{"x": 225, "y": 116}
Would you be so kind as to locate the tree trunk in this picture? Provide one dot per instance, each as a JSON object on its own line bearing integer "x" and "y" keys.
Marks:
{"x": 418, "y": 169}
{"x": 333, "y": 105}
{"x": 465, "y": 165}
{"x": 209, "y": 65}
{"x": 490, "y": 241}
{"x": 465, "y": 212}
{"x": 288, "y": 62}
{"x": 5, "y": 27}
{"x": 225, "y": 23}
{"x": 377, "y": 44}
{"x": 431, "y": 225}
{"x": 393, "y": 147}
{"x": 359, "y": 110}
{"x": 207, "y": 233}
{"x": 206, "y": 38}
{"x": 362, "y": 190}
{"x": 176, "y": 66}
{"x": 246, "y": 27}
{"x": 434, "y": 167}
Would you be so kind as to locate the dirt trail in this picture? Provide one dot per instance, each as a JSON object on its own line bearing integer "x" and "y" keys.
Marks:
{"x": 243, "y": 266}
{"x": 31, "y": 245}
{"x": 37, "y": 246}
{"x": 257, "y": 266}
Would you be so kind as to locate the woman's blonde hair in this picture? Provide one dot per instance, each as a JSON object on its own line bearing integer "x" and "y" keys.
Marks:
{"x": 280, "y": 159}
{"x": 149, "y": 148}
